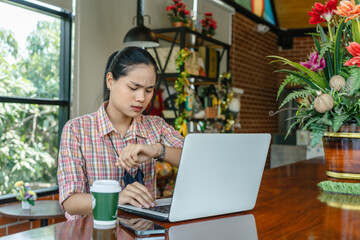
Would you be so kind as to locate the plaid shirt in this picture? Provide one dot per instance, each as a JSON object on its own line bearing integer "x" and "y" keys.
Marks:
{"x": 87, "y": 154}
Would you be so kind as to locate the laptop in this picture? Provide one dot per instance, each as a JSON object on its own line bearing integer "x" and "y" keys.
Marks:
{"x": 219, "y": 173}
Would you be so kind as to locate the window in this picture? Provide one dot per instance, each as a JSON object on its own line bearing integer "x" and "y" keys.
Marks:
{"x": 35, "y": 59}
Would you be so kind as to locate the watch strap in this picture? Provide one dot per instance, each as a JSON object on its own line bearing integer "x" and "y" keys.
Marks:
{"x": 162, "y": 154}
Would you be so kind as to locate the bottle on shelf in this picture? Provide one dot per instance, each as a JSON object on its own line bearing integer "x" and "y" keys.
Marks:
{"x": 189, "y": 103}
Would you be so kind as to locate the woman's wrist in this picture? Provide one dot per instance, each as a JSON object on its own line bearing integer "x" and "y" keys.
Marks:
{"x": 160, "y": 153}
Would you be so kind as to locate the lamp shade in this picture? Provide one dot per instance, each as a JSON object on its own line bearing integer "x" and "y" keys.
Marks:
{"x": 141, "y": 36}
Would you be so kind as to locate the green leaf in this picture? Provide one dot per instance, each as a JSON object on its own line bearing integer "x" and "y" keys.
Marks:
{"x": 357, "y": 118}
{"x": 322, "y": 34}
{"x": 310, "y": 121}
{"x": 338, "y": 121}
{"x": 301, "y": 78}
{"x": 337, "y": 48}
{"x": 294, "y": 95}
{"x": 317, "y": 44}
{"x": 285, "y": 82}
{"x": 344, "y": 188}
{"x": 353, "y": 82}
{"x": 291, "y": 127}
{"x": 354, "y": 31}
{"x": 314, "y": 77}
{"x": 318, "y": 48}
{"x": 327, "y": 55}
{"x": 326, "y": 119}
{"x": 317, "y": 132}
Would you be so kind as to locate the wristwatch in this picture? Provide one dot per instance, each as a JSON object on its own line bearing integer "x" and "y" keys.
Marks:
{"x": 162, "y": 154}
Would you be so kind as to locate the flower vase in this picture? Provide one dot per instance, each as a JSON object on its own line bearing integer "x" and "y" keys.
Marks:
{"x": 25, "y": 205}
{"x": 178, "y": 24}
{"x": 342, "y": 153}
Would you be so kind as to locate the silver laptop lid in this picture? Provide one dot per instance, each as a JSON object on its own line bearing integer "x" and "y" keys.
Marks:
{"x": 218, "y": 174}
{"x": 239, "y": 227}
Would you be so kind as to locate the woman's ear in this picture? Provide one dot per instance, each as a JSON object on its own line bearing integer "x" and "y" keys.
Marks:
{"x": 109, "y": 80}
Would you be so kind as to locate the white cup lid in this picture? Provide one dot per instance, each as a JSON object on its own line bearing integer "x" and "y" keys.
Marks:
{"x": 105, "y": 186}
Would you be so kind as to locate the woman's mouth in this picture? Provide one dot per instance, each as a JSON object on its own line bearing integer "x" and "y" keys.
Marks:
{"x": 136, "y": 108}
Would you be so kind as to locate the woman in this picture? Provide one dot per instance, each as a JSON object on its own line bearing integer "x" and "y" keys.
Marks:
{"x": 117, "y": 142}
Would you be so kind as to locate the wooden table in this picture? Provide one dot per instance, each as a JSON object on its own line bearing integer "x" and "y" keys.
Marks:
{"x": 43, "y": 210}
{"x": 288, "y": 207}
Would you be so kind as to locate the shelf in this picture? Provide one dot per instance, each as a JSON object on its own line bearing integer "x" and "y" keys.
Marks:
{"x": 199, "y": 80}
{"x": 168, "y": 34}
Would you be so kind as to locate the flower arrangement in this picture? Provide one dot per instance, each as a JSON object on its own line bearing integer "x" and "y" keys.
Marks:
{"x": 330, "y": 79}
{"x": 208, "y": 24}
{"x": 24, "y": 193}
{"x": 178, "y": 12}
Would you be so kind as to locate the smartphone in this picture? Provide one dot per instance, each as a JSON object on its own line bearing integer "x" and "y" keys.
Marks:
{"x": 141, "y": 227}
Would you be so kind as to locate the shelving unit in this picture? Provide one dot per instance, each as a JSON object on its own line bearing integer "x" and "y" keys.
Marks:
{"x": 185, "y": 37}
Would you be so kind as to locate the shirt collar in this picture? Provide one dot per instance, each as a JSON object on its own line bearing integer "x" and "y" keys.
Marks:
{"x": 105, "y": 126}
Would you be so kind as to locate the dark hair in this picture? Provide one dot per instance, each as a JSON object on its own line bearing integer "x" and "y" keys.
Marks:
{"x": 120, "y": 61}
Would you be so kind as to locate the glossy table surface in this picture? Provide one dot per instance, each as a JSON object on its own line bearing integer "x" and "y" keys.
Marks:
{"x": 289, "y": 206}
{"x": 41, "y": 209}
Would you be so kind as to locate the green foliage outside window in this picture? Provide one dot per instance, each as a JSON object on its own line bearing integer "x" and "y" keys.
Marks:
{"x": 29, "y": 132}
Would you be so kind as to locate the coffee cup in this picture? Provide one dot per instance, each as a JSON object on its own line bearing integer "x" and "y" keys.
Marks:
{"x": 105, "y": 195}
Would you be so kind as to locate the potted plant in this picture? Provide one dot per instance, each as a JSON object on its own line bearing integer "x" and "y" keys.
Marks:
{"x": 329, "y": 97}
{"x": 178, "y": 14}
{"x": 208, "y": 25}
{"x": 24, "y": 194}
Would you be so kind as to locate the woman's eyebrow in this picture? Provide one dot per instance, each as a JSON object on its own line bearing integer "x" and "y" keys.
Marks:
{"x": 139, "y": 85}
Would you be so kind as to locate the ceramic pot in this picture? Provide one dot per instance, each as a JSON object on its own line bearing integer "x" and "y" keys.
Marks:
{"x": 342, "y": 153}
{"x": 178, "y": 24}
{"x": 25, "y": 205}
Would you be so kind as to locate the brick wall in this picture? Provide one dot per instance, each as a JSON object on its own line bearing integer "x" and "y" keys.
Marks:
{"x": 15, "y": 225}
{"x": 253, "y": 73}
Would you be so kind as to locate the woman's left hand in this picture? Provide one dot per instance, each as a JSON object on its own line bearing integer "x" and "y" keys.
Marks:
{"x": 135, "y": 154}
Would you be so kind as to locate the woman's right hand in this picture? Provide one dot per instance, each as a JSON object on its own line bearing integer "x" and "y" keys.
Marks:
{"x": 137, "y": 195}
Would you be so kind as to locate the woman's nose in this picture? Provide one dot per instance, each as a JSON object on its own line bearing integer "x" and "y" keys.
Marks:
{"x": 140, "y": 96}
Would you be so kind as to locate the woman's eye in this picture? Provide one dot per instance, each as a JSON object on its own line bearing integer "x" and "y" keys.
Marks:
{"x": 149, "y": 90}
{"x": 134, "y": 89}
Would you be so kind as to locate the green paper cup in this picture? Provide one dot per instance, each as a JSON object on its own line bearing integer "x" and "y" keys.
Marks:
{"x": 105, "y": 195}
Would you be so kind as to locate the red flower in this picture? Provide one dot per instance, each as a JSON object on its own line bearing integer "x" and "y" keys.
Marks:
{"x": 208, "y": 14}
{"x": 212, "y": 23}
{"x": 353, "y": 49}
{"x": 169, "y": 8}
{"x": 203, "y": 22}
{"x": 320, "y": 13}
{"x": 179, "y": 4}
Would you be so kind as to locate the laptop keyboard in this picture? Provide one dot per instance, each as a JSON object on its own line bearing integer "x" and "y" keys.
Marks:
{"x": 162, "y": 209}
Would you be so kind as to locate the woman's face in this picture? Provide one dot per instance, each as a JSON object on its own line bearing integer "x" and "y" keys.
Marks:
{"x": 131, "y": 94}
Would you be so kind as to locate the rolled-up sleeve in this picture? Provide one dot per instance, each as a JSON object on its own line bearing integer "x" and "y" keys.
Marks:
{"x": 71, "y": 176}
{"x": 169, "y": 136}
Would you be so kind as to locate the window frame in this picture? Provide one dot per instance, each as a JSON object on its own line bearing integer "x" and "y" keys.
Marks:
{"x": 63, "y": 102}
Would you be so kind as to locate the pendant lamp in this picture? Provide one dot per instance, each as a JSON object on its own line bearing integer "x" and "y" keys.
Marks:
{"x": 140, "y": 36}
